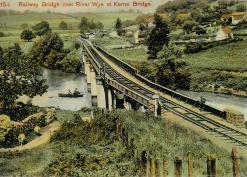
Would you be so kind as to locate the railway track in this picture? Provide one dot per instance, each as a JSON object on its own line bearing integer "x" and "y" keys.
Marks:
{"x": 235, "y": 136}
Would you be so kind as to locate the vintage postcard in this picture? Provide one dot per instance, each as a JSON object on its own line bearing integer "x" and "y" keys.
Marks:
{"x": 132, "y": 88}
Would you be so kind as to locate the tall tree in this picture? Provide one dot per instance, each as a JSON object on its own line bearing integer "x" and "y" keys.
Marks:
{"x": 48, "y": 50}
{"x": 20, "y": 75}
{"x": 158, "y": 37}
{"x": 41, "y": 28}
{"x": 172, "y": 70}
{"x": 83, "y": 25}
{"x": 27, "y": 35}
{"x": 119, "y": 26}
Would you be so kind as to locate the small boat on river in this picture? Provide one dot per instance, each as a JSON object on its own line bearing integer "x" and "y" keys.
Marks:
{"x": 75, "y": 94}
{"x": 70, "y": 95}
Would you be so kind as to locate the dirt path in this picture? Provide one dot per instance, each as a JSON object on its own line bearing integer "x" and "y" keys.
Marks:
{"x": 46, "y": 134}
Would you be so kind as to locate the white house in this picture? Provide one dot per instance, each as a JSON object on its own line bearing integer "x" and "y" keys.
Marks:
{"x": 224, "y": 33}
{"x": 133, "y": 31}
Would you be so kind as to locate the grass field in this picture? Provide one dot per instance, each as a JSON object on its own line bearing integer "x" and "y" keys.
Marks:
{"x": 86, "y": 149}
{"x": 226, "y": 57}
{"x": 113, "y": 45}
{"x": 131, "y": 54}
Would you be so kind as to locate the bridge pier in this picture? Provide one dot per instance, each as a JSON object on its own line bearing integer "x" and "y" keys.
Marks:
{"x": 102, "y": 94}
{"x": 156, "y": 108}
{"x": 94, "y": 93}
{"x": 127, "y": 104}
{"x": 88, "y": 76}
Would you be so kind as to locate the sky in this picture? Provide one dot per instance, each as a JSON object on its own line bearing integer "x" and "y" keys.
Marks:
{"x": 85, "y": 5}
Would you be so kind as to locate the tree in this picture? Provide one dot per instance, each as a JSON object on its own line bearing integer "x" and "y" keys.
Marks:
{"x": 83, "y": 25}
{"x": 119, "y": 27}
{"x": 24, "y": 26}
{"x": 41, "y": 28}
{"x": 158, "y": 37}
{"x": 188, "y": 25}
{"x": 63, "y": 25}
{"x": 48, "y": 50}
{"x": 27, "y": 35}
{"x": 21, "y": 75}
{"x": 92, "y": 25}
{"x": 241, "y": 8}
{"x": 2, "y": 34}
{"x": 172, "y": 71}
{"x": 99, "y": 25}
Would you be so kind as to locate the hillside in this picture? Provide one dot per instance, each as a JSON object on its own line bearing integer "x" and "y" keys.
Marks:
{"x": 13, "y": 30}
{"x": 184, "y": 5}
{"x": 226, "y": 57}
{"x": 108, "y": 19}
{"x": 116, "y": 144}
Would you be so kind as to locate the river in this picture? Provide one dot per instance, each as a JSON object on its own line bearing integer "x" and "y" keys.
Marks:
{"x": 220, "y": 101}
{"x": 60, "y": 82}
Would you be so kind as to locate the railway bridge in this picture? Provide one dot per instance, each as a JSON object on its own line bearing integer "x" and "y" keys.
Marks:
{"x": 115, "y": 84}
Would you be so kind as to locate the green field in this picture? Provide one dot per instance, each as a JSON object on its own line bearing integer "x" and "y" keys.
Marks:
{"x": 113, "y": 45}
{"x": 226, "y": 57}
{"x": 131, "y": 55}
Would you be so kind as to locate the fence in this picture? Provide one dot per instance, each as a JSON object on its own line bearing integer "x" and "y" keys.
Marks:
{"x": 153, "y": 167}
{"x": 156, "y": 167}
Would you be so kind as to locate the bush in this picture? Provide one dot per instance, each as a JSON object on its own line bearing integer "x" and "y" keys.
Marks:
{"x": 38, "y": 119}
{"x": 71, "y": 63}
{"x": 63, "y": 25}
{"x": 2, "y": 34}
{"x": 20, "y": 111}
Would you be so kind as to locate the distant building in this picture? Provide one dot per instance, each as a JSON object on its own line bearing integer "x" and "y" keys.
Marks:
{"x": 133, "y": 31}
{"x": 224, "y": 33}
{"x": 235, "y": 17}
{"x": 238, "y": 17}
{"x": 113, "y": 34}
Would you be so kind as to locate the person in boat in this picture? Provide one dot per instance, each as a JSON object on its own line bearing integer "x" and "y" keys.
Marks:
{"x": 76, "y": 92}
{"x": 69, "y": 92}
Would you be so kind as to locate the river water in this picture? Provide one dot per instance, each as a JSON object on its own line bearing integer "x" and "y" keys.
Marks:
{"x": 60, "y": 82}
{"x": 220, "y": 101}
